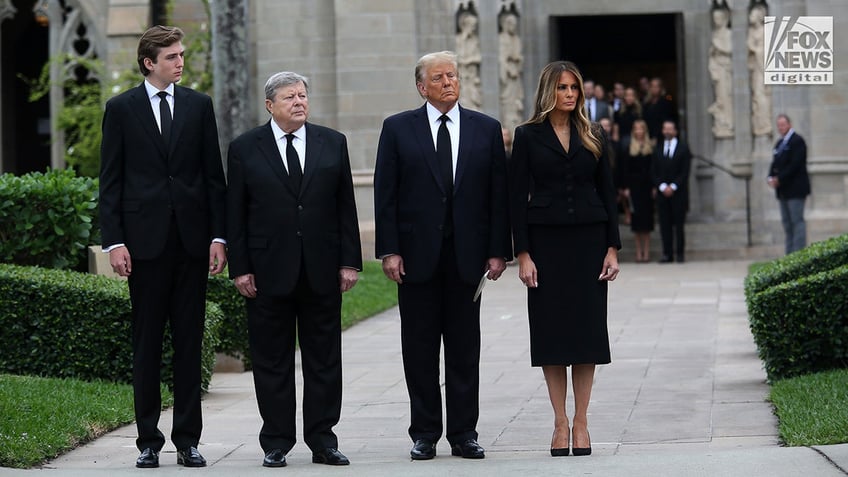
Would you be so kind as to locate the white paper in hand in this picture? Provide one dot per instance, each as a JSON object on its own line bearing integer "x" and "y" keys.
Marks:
{"x": 481, "y": 285}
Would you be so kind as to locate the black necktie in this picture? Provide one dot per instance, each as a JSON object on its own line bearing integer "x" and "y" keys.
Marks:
{"x": 164, "y": 116}
{"x": 668, "y": 149}
{"x": 591, "y": 112}
{"x": 443, "y": 153}
{"x": 293, "y": 160}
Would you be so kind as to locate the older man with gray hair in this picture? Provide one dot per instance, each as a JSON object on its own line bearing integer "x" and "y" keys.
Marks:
{"x": 294, "y": 247}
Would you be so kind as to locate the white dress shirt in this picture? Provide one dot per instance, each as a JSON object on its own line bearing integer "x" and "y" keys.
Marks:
{"x": 299, "y": 144}
{"x": 669, "y": 146}
{"x": 433, "y": 116}
{"x": 153, "y": 96}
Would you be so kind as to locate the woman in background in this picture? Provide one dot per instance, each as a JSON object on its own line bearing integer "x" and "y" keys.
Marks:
{"x": 638, "y": 183}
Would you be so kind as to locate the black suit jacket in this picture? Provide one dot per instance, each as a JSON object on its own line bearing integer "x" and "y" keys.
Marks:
{"x": 673, "y": 170}
{"x": 142, "y": 183}
{"x": 410, "y": 198}
{"x": 272, "y": 229}
{"x": 550, "y": 186}
{"x": 789, "y": 165}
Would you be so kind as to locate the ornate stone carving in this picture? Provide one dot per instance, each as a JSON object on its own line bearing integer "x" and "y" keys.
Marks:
{"x": 721, "y": 71}
{"x": 469, "y": 55}
{"x": 7, "y": 10}
{"x": 511, "y": 62}
{"x": 760, "y": 91}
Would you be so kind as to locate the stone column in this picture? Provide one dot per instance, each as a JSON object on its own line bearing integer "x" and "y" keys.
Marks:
{"x": 231, "y": 66}
{"x": 7, "y": 10}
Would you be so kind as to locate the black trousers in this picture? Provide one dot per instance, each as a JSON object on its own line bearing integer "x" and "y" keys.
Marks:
{"x": 672, "y": 216}
{"x": 168, "y": 289}
{"x": 438, "y": 310}
{"x": 273, "y": 324}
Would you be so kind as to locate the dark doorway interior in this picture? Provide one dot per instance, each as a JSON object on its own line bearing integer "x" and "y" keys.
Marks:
{"x": 26, "y": 125}
{"x": 623, "y": 48}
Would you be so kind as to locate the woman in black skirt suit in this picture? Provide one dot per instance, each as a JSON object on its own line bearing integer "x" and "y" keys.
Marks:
{"x": 565, "y": 230}
{"x": 639, "y": 187}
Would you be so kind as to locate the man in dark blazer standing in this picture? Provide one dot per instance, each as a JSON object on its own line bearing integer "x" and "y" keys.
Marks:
{"x": 162, "y": 199}
{"x": 670, "y": 169}
{"x": 789, "y": 178}
{"x": 441, "y": 224}
{"x": 294, "y": 247}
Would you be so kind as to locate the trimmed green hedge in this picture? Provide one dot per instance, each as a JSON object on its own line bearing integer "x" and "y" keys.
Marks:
{"x": 67, "y": 324}
{"x": 801, "y": 326}
{"x": 233, "y": 335}
{"x": 818, "y": 257}
{"x": 47, "y": 219}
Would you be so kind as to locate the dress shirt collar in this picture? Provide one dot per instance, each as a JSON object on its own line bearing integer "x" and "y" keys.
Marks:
{"x": 279, "y": 134}
{"x": 788, "y": 135}
{"x": 152, "y": 91}
{"x": 434, "y": 114}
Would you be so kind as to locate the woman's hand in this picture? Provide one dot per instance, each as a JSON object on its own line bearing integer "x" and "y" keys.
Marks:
{"x": 527, "y": 270}
{"x": 609, "y": 271}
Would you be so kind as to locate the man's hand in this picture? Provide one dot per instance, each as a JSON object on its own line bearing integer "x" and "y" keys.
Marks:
{"x": 496, "y": 266}
{"x": 773, "y": 182}
{"x": 120, "y": 260}
{"x": 393, "y": 268}
{"x": 217, "y": 258}
{"x": 347, "y": 278}
{"x": 668, "y": 192}
{"x": 246, "y": 285}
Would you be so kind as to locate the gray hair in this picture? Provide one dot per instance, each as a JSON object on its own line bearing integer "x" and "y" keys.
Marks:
{"x": 432, "y": 58}
{"x": 283, "y": 79}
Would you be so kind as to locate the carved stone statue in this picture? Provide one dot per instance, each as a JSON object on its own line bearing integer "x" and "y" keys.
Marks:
{"x": 511, "y": 61}
{"x": 720, "y": 66}
{"x": 468, "y": 56}
{"x": 760, "y": 91}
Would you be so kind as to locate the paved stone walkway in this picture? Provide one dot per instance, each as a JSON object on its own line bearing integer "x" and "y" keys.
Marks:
{"x": 685, "y": 395}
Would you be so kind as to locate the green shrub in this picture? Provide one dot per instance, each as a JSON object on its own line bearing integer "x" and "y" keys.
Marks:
{"x": 67, "y": 324}
{"x": 47, "y": 219}
{"x": 801, "y": 326}
{"x": 818, "y": 257}
{"x": 233, "y": 334}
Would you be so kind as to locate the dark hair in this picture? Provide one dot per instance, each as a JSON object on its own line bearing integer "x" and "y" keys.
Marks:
{"x": 152, "y": 42}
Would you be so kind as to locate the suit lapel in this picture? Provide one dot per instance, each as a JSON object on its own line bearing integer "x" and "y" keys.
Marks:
{"x": 267, "y": 144}
{"x": 144, "y": 113}
{"x": 548, "y": 137}
{"x": 182, "y": 108}
{"x": 314, "y": 145}
{"x": 421, "y": 127}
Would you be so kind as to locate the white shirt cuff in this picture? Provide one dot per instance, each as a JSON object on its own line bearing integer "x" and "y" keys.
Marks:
{"x": 663, "y": 187}
{"x": 113, "y": 247}
{"x": 219, "y": 240}
{"x": 673, "y": 186}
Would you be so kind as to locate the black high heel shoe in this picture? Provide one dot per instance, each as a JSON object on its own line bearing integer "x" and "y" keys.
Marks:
{"x": 581, "y": 451}
{"x": 562, "y": 451}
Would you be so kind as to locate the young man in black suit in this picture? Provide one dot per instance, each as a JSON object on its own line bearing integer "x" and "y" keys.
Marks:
{"x": 294, "y": 249}
{"x": 162, "y": 217}
{"x": 670, "y": 169}
{"x": 789, "y": 178}
{"x": 441, "y": 222}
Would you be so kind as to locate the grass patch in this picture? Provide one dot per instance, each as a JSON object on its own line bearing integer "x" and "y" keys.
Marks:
{"x": 372, "y": 294}
{"x": 813, "y": 409}
{"x": 42, "y": 417}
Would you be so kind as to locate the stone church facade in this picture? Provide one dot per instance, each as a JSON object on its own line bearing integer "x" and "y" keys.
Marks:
{"x": 359, "y": 56}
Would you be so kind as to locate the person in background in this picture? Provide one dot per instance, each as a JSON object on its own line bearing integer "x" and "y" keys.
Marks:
{"x": 657, "y": 109}
{"x": 670, "y": 171}
{"x": 789, "y": 178}
{"x": 565, "y": 233}
{"x": 639, "y": 187}
{"x": 630, "y": 111}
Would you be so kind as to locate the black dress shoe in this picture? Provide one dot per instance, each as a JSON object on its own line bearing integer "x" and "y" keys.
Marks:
{"x": 329, "y": 456}
{"x": 469, "y": 449}
{"x": 666, "y": 259}
{"x": 578, "y": 451}
{"x": 423, "y": 450}
{"x": 680, "y": 259}
{"x": 274, "y": 458}
{"x": 190, "y": 457}
{"x": 148, "y": 459}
